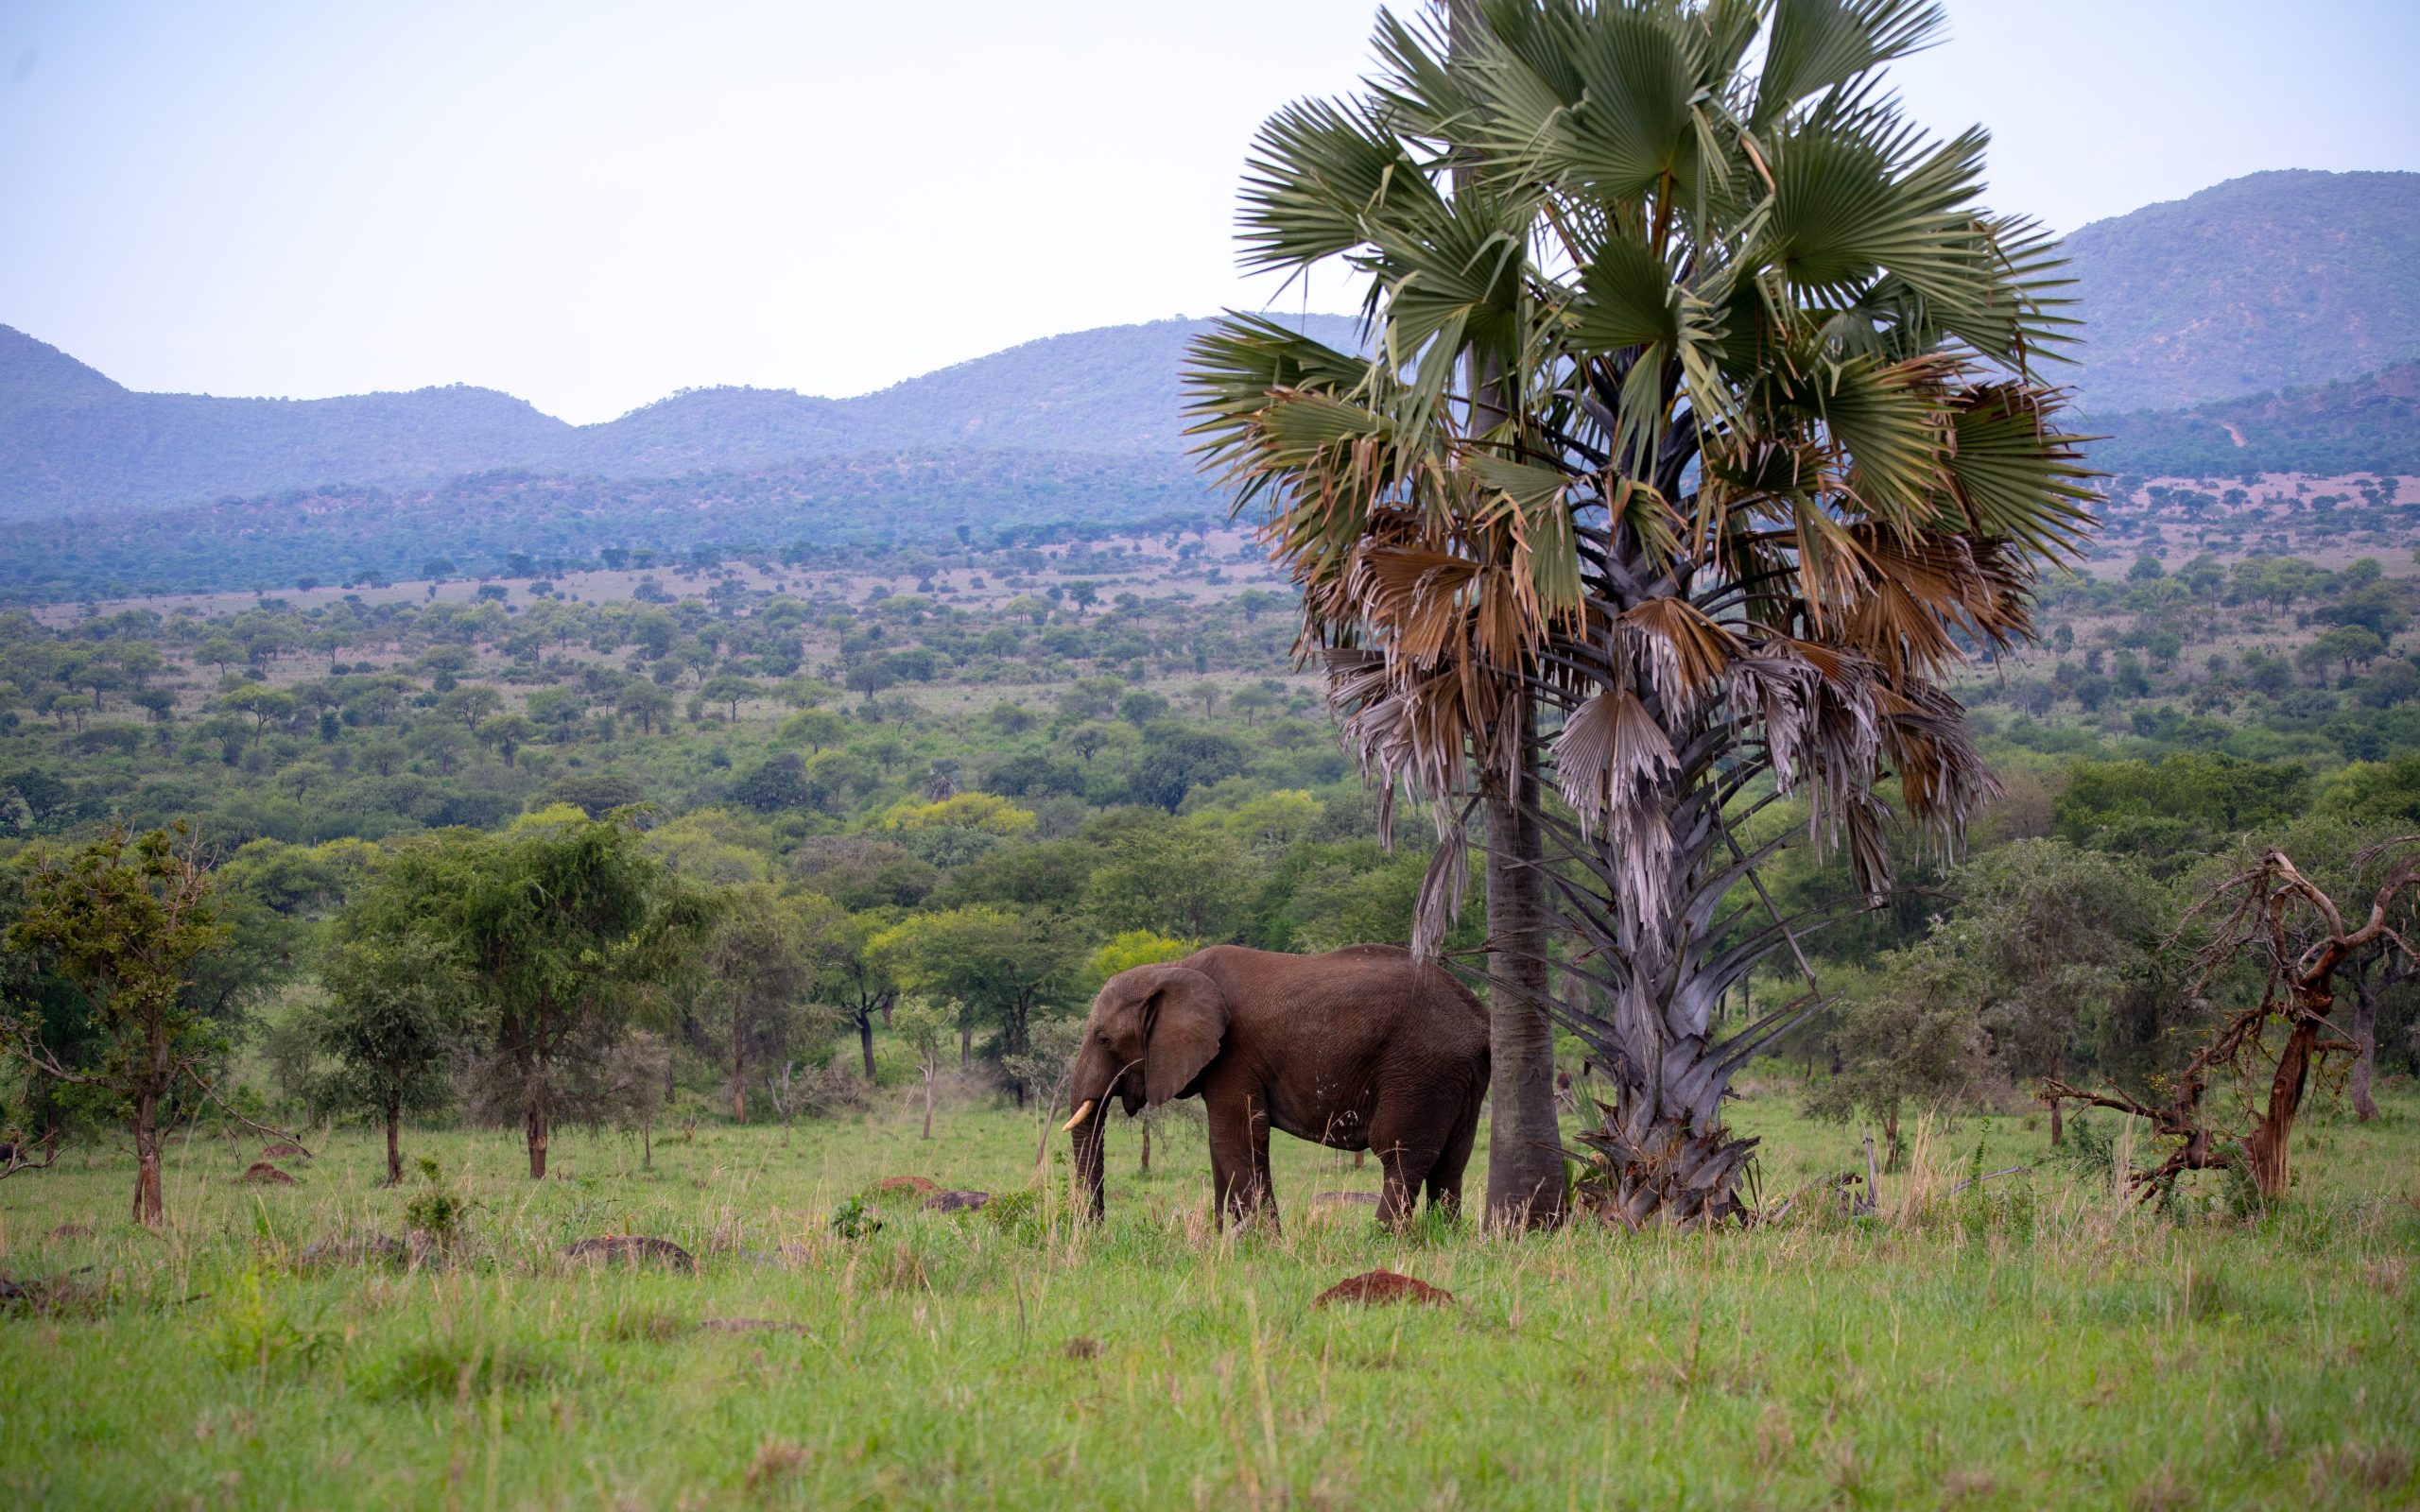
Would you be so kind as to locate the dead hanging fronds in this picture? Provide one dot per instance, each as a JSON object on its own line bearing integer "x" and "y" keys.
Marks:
{"x": 2278, "y": 921}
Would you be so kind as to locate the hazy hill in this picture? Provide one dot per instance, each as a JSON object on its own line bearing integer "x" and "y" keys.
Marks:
{"x": 2273, "y": 281}
{"x": 71, "y": 438}
{"x": 73, "y": 441}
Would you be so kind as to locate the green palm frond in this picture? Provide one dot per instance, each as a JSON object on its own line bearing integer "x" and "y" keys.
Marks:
{"x": 1318, "y": 174}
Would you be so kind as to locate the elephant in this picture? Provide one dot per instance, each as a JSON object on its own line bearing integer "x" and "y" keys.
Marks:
{"x": 1360, "y": 1049}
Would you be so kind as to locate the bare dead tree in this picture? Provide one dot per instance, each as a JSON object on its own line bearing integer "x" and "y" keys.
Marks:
{"x": 783, "y": 1094}
{"x": 2299, "y": 939}
{"x": 17, "y": 1154}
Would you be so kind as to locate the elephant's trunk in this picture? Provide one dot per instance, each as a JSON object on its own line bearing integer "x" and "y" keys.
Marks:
{"x": 1091, "y": 1128}
{"x": 1098, "y": 1080}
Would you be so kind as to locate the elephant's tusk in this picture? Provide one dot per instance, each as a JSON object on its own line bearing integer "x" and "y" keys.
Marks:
{"x": 1082, "y": 1113}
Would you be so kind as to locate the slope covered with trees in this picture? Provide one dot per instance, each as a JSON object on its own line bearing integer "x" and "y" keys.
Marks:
{"x": 2272, "y": 281}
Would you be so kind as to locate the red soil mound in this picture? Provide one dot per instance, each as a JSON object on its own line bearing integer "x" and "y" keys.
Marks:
{"x": 1378, "y": 1286}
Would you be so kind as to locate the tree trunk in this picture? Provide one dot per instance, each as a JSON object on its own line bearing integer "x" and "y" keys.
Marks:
{"x": 865, "y": 1040}
{"x": 965, "y": 1047}
{"x": 2365, "y": 1051}
{"x": 2265, "y": 1151}
{"x": 395, "y": 1141}
{"x": 928, "y": 1104}
{"x": 534, "y": 1121}
{"x": 147, "y": 1207}
{"x": 738, "y": 1077}
{"x": 2058, "y": 1125}
{"x": 1524, "y": 1174}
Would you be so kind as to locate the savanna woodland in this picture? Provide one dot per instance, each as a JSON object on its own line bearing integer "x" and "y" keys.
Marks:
{"x": 599, "y": 1029}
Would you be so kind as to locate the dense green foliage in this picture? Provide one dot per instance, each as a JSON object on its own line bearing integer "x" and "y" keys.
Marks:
{"x": 996, "y": 799}
{"x": 2370, "y": 424}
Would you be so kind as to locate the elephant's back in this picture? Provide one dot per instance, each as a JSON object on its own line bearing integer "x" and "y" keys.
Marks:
{"x": 1380, "y": 987}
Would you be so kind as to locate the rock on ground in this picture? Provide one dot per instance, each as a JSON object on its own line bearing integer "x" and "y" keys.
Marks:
{"x": 630, "y": 1249}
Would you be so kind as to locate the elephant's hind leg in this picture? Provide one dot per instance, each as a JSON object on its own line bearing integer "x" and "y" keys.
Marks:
{"x": 1445, "y": 1176}
{"x": 1407, "y": 1151}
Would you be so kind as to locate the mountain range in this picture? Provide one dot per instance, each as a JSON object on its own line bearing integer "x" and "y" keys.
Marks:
{"x": 2275, "y": 281}
{"x": 73, "y": 441}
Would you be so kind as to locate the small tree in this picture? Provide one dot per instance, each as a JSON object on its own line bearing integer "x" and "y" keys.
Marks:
{"x": 756, "y": 972}
{"x": 923, "y": 1027}
{"x": 1916, "y": 1037}
{"x": 846, "y": 973}
{"x": 1044, "y": 1067}
{"x": 560, "y": 924}
{"x": 125, "y": 920}
{"x": 1002, "y": 962}
{"x": 397, "y": 1011}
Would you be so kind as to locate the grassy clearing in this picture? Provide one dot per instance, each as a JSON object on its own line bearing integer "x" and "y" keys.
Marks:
{"x": 2043, "y": 1345}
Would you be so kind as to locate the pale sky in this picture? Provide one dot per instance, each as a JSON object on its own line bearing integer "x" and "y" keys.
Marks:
{"x": 592, "y": 204}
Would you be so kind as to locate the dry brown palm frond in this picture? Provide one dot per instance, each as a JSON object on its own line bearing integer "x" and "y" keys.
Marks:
{"x": 1924, "y": 591}
{"x": 1943, "y": 780}
{"x": 1684, "y": 653}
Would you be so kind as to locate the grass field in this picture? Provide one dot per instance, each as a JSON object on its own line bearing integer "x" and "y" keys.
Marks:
{"x": 2034, "y": 1342}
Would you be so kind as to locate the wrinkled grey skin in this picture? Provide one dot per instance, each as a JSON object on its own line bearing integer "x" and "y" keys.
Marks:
{"x": 1360, "y": 1049}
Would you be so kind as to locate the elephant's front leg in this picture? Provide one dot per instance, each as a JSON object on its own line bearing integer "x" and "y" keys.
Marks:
{"x": 1264, "y": 1184}
{"x": 1239, "y": 1155}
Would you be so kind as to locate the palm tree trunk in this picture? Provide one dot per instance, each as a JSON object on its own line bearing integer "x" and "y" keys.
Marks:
{"x": 1524, "y": 1174}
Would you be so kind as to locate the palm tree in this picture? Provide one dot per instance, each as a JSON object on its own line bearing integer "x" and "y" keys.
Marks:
{"x": 1751, "y": 450}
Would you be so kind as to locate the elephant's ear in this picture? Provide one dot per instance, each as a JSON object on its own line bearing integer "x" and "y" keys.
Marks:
{"x": 1184, "y": 1021}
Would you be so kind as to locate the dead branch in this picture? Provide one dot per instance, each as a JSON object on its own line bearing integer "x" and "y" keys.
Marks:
{"x": 212, "y": 1093}
{"x": 2299, "y": 936}
{"x": 13, "y": 1154}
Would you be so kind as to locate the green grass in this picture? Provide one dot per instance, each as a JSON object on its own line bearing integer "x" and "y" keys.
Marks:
{"x": 2044, "y": 1345}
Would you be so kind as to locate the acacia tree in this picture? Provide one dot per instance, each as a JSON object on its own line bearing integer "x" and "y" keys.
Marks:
{"x": 756, "y": 972}
{"x": 1001, "y": 962}
{"x": 125, "y": 920}
{"x": 2059, "y": 949}
{"x": 398, "y": 1006}
{"x": 1698, "y": 436}
{"x": 562, "y": 925}
{"x": 847, "y": 974}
